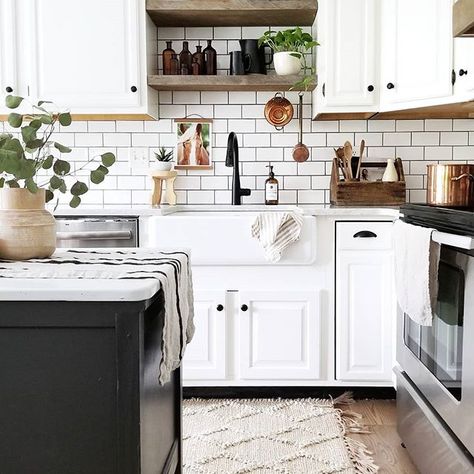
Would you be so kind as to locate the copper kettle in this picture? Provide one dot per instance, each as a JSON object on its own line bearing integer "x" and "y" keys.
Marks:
{"x": 451, "y": 185}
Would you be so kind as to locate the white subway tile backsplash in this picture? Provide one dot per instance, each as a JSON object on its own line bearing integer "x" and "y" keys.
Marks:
{"x": 381, "y": 125}
{"x": 87, "y": 139}
{"x": 227, "y": 111}
{"x": 438, "y": 125}
{"x": 199, "y": 33}
{"x": 117, "y": 139}
{"x": 463, "y": 153}
{"x": 463, "y": 124}
{"x": 227, "y": 32}
{"x": 145, "y": 139}
{"x": 186, "y": 97}
{"x": 129, "y": 126}
{"x": 396, "y": 139}
{"x": 438, "y": 153}
{"x": 454, "y": 138}
{"x": 297, "y": 182}
{"x": 338, "y": 139}
{"x": 242, "y": 97}
{"x": 409, "y": 125}
{"x": 353, "y": 126}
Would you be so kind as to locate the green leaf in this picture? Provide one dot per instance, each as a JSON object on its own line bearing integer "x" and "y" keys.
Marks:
{"x": 62, "y": 148}
{"x": 103, "y": 169}
{"x": 36, "y": 124}
{"x": 31, "y": 185}
{"x": 13, "y": 101}
{"x": 26, "y": 170}
{"x": 13, "y": 183}
{"x": 34, "y": 145}
{"x": 65, "y": 119}
{"x": 97, "y": 176}
{"x": 108, "y": 159}
{"x": 41, "y": 102}
{"x": 48, "y": 162}
{"x": 46, "y": 119}
{"x": 79, "y": 188}
{"x": 2, "y": 182}
{"x": 55, "y": 182}
{"x": 28, "y": 133}
{"x": 49, "y": 195}
{"x": 61, "y": 167}
{"x": 15, "y": 120}
{"x": 63, "y": 187}
{"x": 75, "y": 201}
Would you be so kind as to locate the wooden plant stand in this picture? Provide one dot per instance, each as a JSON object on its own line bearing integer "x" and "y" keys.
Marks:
{"x": 158, "y": 178}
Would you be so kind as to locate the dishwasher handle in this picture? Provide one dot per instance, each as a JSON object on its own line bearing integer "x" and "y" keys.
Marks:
{"x": 96, "y": 235}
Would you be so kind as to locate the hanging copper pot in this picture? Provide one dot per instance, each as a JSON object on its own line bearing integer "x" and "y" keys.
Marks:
{"x": 279, "y": 111}
{"x": 451, "y": 185}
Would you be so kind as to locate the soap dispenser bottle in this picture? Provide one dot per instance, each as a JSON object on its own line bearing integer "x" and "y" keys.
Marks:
{"x": 271, "y": 188}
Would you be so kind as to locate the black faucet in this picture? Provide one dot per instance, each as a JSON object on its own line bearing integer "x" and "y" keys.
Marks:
{"x": 232, "y": 159}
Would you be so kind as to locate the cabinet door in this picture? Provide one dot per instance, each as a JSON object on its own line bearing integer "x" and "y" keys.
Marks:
{"x": 416, "y": 50}
{"x": 464, "y": 67}
{"x": 279, "y": 335}
{"x": 365, "y": 302}
{"x": 85, "y": 55}
{"x": 349, "y": 49}
{"x": 205, "y": 356}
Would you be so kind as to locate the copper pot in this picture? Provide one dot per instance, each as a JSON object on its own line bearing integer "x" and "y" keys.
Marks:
{"x": 279, "y": 111}
{"x": 451, "y": 185}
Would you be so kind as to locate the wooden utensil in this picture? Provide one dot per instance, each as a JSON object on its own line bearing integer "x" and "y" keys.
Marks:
{"x": 300, "y": 151}
{"x": 347, "y": 160}
{"x": 361, "y": 153}
{"x": 340, "y": 160}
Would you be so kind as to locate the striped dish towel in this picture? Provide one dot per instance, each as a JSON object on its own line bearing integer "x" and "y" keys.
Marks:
{"x": 276, "y": 231}
{"x": 171, "y": 271}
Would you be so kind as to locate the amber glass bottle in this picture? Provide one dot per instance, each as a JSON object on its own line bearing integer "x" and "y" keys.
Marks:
{"x": 167, "y": 57}
{"x": 198, "y": 57}
{"x": 271, "y": 188}
{"x": 185, "y": 59}
{"x": 210, "y": 59}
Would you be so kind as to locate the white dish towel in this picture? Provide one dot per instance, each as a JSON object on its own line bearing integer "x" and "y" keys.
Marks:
{"x": 416, "y": 271}
{"x": 276, "y": 231}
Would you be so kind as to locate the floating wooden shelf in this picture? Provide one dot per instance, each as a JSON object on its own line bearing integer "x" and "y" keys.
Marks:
{"x": 270, "y": 82}
{"x": 232, "y": 12}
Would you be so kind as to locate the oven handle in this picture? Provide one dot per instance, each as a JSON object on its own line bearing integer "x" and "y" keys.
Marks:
{"x": 460, "y": 241}
{"x": 96, "y": 235}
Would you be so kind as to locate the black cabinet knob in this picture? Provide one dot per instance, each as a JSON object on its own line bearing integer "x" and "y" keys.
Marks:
{"x": 462, "y": 72}
{"x": 390, "y": 86}
{"x": 133, "y": 89}
{"x": 219, "y": 307}
{"x": 324, "y": 90}
{"x": 244, "y": 307}
{"x": 9, "y": 89}
{"x": 371, "y": 88}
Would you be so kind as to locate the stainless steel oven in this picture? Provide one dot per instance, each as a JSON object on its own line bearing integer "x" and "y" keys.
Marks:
{"x": 436, "y": 367}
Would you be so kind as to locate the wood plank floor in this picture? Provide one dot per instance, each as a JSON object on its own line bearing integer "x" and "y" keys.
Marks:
{"x": 380, "y": 417}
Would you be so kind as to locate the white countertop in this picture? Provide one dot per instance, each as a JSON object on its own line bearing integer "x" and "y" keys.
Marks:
{"x": 169, "y": 210}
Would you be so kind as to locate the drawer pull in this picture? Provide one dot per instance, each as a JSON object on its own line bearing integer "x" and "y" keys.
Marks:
{"x": 219, "y": 307}
{"x": 244, "y": 307}
{"x": 365, "y": 234}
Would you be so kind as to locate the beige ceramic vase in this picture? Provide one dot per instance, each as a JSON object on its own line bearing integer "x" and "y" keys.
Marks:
{"x": 27, "y": 230}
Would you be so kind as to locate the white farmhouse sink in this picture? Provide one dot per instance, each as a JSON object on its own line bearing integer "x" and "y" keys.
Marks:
{"x": 223, "y": 237}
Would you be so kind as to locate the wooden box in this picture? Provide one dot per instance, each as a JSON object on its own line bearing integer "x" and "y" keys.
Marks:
{"x": 368, "y": 193}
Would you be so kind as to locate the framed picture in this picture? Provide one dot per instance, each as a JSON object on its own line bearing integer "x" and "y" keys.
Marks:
{"x": 372, "y": 171}
{"x": 193, "y": 143}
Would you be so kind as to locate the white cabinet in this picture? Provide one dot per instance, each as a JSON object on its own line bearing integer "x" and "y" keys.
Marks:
{"x": 348, "y": 58}
{"x": 464, "y": 68}
{"x": 88, "y": 56}
{"x": 416, "y": 61}
{"x": 279, "y": 334}
{"x": 205, "y": 357}
{"x": 365, "y": 301}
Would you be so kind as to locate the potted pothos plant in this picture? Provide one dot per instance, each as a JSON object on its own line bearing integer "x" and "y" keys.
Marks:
{"x": 164, "y": 159}
{"x": 290, "y": 48}
{"x": 33, "y": 170}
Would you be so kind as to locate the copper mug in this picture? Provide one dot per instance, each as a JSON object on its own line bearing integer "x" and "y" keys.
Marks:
{"x": 451, "y": 185}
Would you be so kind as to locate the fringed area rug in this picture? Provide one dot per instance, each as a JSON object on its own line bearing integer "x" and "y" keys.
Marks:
{"x": 269, "y": 436}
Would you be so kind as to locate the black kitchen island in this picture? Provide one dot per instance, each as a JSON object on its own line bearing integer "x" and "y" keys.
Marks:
{"x": 80, "y": 390}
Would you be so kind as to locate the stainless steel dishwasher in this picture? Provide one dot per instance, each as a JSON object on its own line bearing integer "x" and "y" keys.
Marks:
{"x": 96, "y": 232}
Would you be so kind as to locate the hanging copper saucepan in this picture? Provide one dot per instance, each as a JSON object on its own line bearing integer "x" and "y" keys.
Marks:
{"x": 451, "y": 185}
{"x": 279, "y": 111}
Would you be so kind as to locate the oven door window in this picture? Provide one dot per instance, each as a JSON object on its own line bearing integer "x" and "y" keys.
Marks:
{"x": 439, "y": 347}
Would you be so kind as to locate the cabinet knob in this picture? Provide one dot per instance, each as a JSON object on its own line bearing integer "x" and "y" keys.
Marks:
{"x": 133, "y": 89}
{"x": 219, "y": 307}
{"x": 371, "y": 88}
{"x": 390, "y": 86}
{"x": 462, "y": 72}
{"x": 364, "y": 234}
{"x": 244, "y": 307}
{"x": 324, "y": 90}
{"x": 9, "y": 89}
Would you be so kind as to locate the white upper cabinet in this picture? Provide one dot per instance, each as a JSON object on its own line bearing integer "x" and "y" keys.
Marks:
{"x": 464, "y": 68}
{"x": 347, "y": 60}
{"x": 89, "y": 56}
{"x": 416, "y": 61}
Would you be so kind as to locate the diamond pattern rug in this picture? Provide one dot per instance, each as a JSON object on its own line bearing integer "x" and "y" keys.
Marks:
{"x": 273, "y": 436}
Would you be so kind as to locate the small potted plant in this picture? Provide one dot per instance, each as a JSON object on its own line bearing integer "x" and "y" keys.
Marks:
{"x": 164, "y": 159}
{"x": 33, "y": 168}
{"x": 290, "y": 48}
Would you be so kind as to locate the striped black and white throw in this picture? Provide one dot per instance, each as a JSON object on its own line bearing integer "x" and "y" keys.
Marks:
{"x": 276, "y": 231}
{"x": 172, "y": 270}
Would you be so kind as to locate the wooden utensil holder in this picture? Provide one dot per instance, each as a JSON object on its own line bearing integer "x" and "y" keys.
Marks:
{"x": 158, "y": 178}
{"x": 368, "y": 193}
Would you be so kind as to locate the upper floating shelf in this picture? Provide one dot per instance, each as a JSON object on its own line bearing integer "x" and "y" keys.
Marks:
{"x": 270, "y": 82}
{"x": 232, "y": 12}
